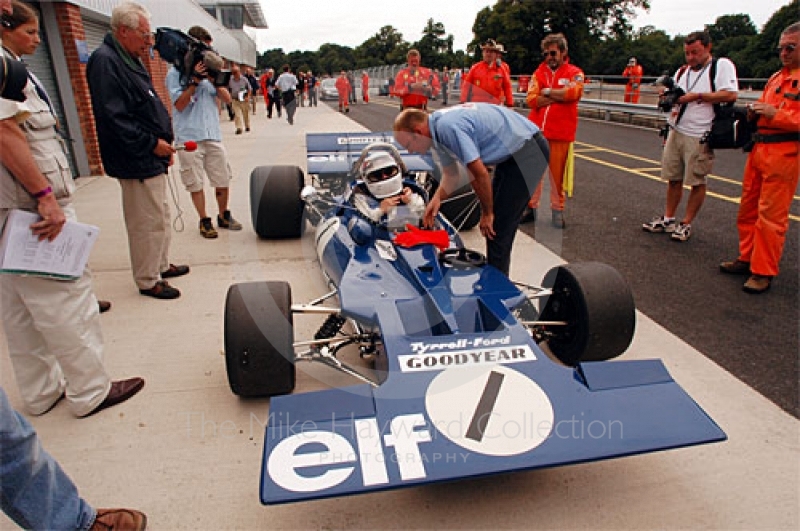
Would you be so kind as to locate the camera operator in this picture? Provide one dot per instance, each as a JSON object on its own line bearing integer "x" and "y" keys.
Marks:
{"x": 196, "y": 118}
{"x": 685, "y": 159}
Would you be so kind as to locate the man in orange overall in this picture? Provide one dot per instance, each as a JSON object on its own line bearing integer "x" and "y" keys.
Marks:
{"x": 489, "y": 81}
{"x": 771, "y": 172}
{"x": 553, "y": 96}
{"x": 415, "y": 84}
{"x": 343, "y": 88}
{"x": 365, "y": 86}
{"x": 633, "y": 72}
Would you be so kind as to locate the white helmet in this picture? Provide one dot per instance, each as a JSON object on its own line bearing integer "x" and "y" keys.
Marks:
{"x": 382, "y": 175}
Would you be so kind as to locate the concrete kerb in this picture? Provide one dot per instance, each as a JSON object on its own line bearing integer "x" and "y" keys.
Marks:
{"x": 188, "y": 452}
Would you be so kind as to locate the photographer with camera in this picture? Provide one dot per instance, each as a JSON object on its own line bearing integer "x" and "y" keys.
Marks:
{"x": 690, "y": 100}
{"x": 771, "y": 173}
{"x": 196, "y": 118}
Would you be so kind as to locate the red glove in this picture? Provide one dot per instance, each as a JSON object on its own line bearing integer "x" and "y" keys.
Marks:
{"x": 416, "y": 236}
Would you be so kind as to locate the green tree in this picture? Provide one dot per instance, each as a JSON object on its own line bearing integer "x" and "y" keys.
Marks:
{"x": 521, "y": 25}
{"x": 435, "y": 46}
{"x": 728, "y": 26}
{"x": 378, "y": 49}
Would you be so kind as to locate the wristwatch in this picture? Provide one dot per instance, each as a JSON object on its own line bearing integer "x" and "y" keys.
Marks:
{"x": 546, "y": 92}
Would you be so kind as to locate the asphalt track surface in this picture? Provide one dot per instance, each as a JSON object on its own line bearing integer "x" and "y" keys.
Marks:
{"x": 677, "y": 284}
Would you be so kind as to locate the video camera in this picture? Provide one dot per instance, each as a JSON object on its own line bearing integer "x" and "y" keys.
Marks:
{"x": 669, "y": 98}
{"x": 185, "y": 52}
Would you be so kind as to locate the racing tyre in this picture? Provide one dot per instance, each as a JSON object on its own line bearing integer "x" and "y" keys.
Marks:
{"x": 259, "y": 338}
{"x": 597, "y": 305}
{"x": 275, "y": 205}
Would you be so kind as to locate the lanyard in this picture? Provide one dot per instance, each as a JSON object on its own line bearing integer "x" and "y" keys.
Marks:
{"x": 699, "y": 75}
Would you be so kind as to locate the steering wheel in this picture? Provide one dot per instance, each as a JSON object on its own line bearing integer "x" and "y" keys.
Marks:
{"x": 462, "y": 258}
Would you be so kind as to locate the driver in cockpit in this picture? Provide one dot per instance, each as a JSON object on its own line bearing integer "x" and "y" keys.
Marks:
{"x": 381, "y": 196}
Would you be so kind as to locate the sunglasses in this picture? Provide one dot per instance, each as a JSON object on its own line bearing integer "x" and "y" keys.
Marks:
{"x": 551, "y": 53}
{"x": 786, "y": 47}
{"x": 382, "y": 174}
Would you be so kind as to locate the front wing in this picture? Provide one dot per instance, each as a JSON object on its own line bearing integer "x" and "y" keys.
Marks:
{"x": 477, "y": 405}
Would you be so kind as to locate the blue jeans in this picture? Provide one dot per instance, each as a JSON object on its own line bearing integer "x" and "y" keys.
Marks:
{"x": 34, "y": 491}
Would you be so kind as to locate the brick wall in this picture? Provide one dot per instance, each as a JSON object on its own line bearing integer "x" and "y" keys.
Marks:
{"x": 70, "y": 27}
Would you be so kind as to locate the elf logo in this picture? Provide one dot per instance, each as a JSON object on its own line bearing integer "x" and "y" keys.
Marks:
{"x": 313, "y": 461}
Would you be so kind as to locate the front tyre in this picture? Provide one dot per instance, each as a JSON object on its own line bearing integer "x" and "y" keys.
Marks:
{"x": 597, "y": 305}
{"x": 259, "y": 339}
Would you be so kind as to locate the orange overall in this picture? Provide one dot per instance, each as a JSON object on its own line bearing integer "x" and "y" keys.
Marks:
{"x": 634, "y": 74}
{"x": 558, "y": 122}
{"x": 410, "y": 97}
{"x": 365, "y": 87}
{"x": 488, "y": 84}
{"x": 343, "y": 88}
{"x": 770, "y": 177}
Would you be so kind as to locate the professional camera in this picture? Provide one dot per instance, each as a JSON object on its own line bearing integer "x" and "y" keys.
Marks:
{"x": 184, "y": 52}
{"x": 669, "y": 98}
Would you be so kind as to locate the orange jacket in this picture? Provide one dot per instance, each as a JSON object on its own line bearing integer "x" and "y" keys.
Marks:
{"x": 634, "y": 74}
{"x": 488, "y": 83}
{"x": 559, "y": 120}
{"x": 783, "y": 92}
{"x": 342, "y": 85}
{"x": 411, "y": 97}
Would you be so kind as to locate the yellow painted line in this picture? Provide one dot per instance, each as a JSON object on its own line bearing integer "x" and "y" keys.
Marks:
{"x": 635, "y": 157}
{"x": 640, "y": 173}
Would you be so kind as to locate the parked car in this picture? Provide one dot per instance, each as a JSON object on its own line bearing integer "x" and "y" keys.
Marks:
{"x": 327, "y": 89}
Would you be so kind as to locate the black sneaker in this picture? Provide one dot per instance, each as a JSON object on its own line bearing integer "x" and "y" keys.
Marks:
{"x": 207, "y": 229}
{"x": 558, "y": 219}
{"x": 226, "y": 221}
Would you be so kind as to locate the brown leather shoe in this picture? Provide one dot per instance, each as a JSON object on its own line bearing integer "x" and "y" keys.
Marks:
{"x": 757, "y": 284}
{"x": 121, "y": 390}
{"x": 119, "y": 520}
{"x": 162, "y": 290}
{"x": 104, "y": 306}
{"x": 175, "y": 271}
{"x": 735, "y": 267}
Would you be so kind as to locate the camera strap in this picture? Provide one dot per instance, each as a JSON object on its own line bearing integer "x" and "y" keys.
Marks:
{"x": 682, "y": 110}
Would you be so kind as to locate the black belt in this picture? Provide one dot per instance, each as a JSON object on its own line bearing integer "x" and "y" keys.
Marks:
{"x": 776, "y": 138}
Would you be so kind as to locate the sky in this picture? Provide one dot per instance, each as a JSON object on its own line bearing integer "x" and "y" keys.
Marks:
{"x": 306, "y": 25}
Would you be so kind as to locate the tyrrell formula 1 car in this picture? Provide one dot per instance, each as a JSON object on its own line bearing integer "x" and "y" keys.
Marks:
{"x": 473, "y": 374}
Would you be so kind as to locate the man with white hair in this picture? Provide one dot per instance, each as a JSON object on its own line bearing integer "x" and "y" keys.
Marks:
{"x": 134, "y": 131}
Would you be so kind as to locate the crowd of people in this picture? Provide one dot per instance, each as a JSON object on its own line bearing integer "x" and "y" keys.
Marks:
{"x": 53, "y": 329}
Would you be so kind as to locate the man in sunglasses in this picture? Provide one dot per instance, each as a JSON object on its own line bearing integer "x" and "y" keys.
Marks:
{"x": 771, "y": 172}
{"x": 553, "y": 96}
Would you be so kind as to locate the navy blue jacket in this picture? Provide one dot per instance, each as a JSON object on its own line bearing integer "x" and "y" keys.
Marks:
{"x": 128, "y": 114}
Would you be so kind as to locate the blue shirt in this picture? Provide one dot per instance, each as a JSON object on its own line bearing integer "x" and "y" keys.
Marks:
{"x": 199, "y": 120}
{"x": 483, "y": 131}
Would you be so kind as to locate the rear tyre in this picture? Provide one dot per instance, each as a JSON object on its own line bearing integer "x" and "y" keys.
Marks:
{"x": 275, "y": 205}
{"x": 597, "y": 305}
{"x": 259, "y": 339}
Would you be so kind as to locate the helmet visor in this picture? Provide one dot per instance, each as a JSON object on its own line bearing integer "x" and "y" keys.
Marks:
{"x": 382, "y": 174}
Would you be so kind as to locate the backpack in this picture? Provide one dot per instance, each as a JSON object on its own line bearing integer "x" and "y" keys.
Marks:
{"x": 730, "y": 128}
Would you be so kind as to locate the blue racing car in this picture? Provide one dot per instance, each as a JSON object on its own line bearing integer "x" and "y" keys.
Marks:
{"x": 473, "y": 374}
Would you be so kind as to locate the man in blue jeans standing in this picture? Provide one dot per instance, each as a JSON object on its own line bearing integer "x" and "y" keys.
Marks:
{"x": 36, "y": 493}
